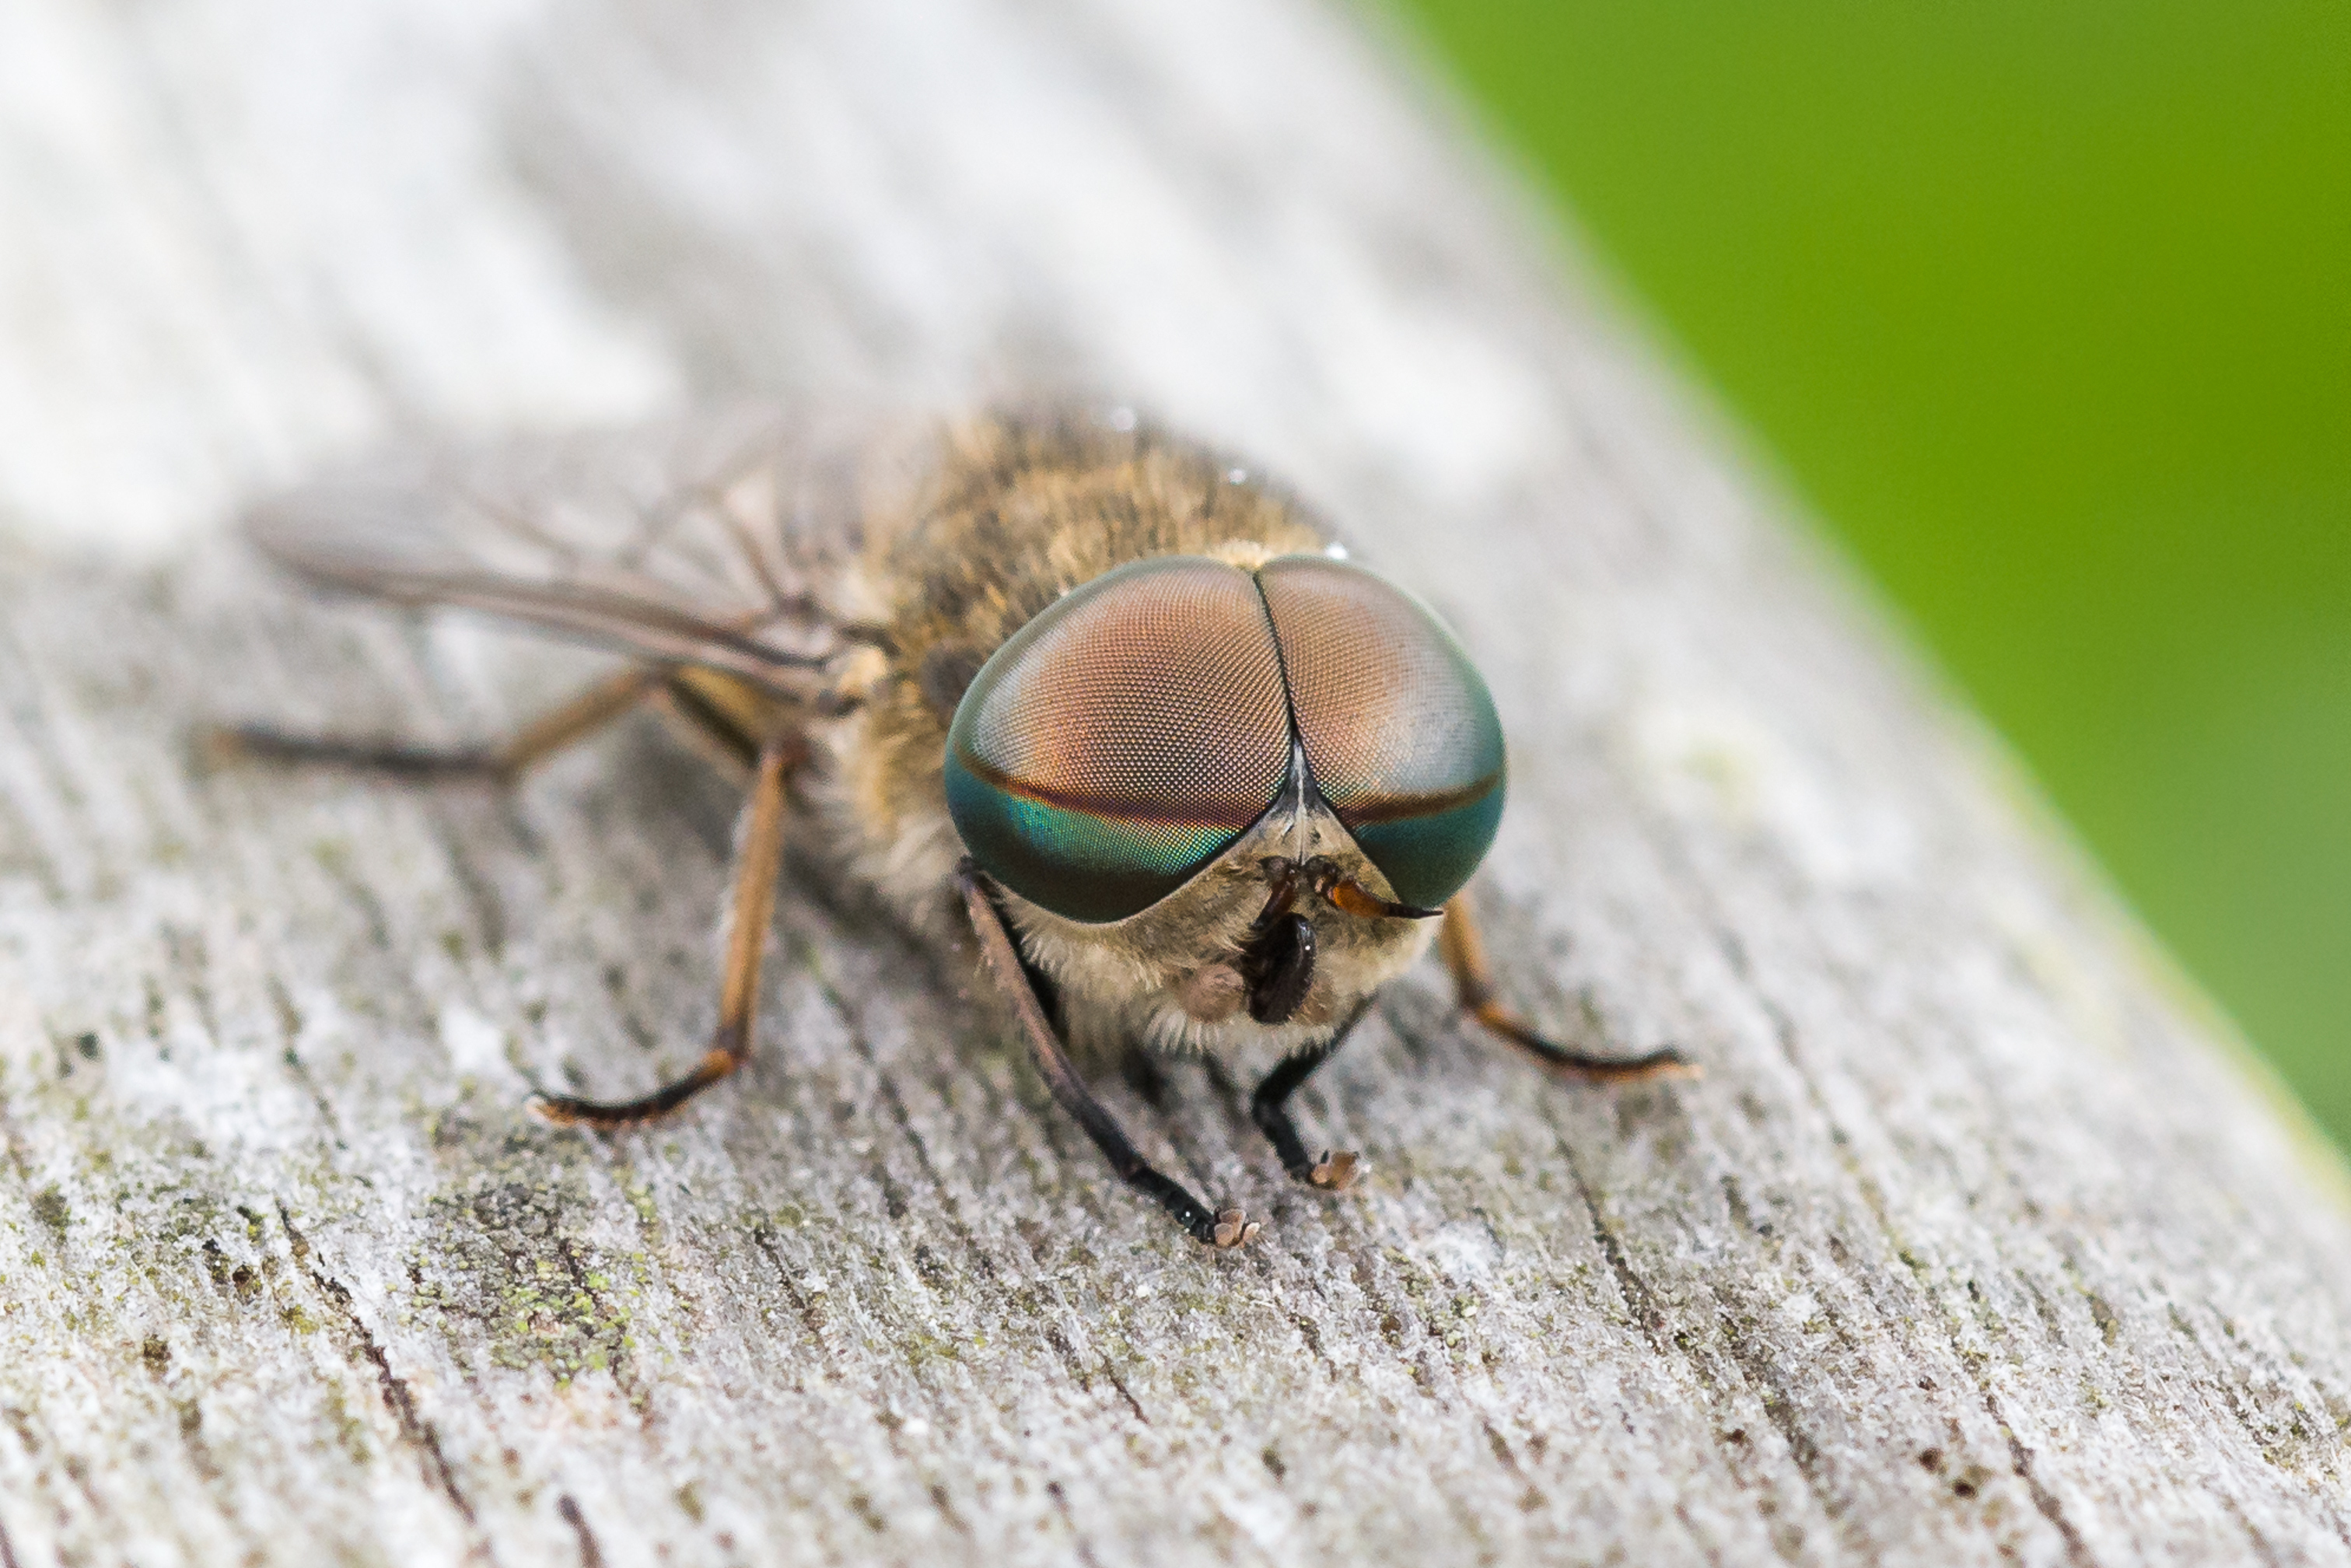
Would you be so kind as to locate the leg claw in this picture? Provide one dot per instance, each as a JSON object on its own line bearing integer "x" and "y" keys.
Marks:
{"x": 1234, "y": 1229}
{"x": 1334, "y": 1172}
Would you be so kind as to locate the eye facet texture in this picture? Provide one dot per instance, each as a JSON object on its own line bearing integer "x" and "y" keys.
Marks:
{"x": 1123, "y": 739}
{"x": 1398, "y": 729}
{"x": 1128, "y": 735}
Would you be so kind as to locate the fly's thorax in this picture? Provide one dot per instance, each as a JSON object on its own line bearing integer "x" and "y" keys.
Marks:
{"x": 1023, "y": 508}
{"x": 1173, "y": 976}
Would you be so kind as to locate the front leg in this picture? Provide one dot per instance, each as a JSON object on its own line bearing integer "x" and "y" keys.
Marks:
{"x": 1230, "y": 1227}
{"x": 1464, "y": 952}
{"x": 1270, "y": 1109}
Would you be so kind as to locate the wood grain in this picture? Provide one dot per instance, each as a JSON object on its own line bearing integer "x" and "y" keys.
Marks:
{"x": 1980, "y": 1240}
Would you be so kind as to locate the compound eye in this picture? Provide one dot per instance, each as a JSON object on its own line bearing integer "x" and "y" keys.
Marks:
{"x": 1122, "y": 739}
{"x": 1397, "y": 726}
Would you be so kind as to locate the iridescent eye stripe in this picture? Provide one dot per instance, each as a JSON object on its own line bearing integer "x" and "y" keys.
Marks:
{"x": 1405, "y": 808}
{"x": 1122, "y": 806}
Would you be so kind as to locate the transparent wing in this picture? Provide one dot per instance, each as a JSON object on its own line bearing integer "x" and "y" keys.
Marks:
{"x": 721, "y": 541}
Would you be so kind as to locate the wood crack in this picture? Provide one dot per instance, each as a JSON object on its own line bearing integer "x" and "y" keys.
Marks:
{"x": 479, "y": 894}
{"x": 811, "y": 1318}
{"x": 1078, "y": 1541}
{"x": 2261, "y": 1545}
{"x": 2020, "y": 1458}
{"x": 1752, "y": 1370}
{"x": 417, "y": 1431}
{"x": 1077, "y": 1370}
{"x": 290, "y": 1033}
{"x": 591, "y": 1555}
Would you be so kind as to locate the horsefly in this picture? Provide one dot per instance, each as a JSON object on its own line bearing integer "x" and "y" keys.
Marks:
{"x": 1090, "y": 691}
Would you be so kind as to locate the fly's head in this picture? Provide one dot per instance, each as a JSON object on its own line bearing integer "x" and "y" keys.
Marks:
{"x": 1224, "y": 794}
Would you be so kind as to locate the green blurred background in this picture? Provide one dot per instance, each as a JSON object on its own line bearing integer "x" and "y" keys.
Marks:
{"x": 2046, "y": 307}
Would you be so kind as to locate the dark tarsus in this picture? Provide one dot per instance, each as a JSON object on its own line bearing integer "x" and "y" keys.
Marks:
{"x": 1270, "y": 1106}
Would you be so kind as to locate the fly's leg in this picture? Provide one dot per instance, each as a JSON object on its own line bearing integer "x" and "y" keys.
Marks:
{"x": 565, "y": 724}
{"x": 1230, "y": 1227}
{"x": 757, "y": 863}
{"x": 1464, "y": 952}
{"x": 720, "y": 734}
{"x": 1270, "y": 1109}
{"x": 727, "y": 740}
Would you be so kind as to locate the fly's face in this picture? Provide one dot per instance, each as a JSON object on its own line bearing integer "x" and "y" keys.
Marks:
{"x": 1226, "y": 791}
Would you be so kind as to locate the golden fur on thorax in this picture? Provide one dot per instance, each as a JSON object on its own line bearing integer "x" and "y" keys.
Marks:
{"x": 1021, "y": 510}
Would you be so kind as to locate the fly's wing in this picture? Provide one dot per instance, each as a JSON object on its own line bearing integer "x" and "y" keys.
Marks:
{"x": 721, "y": 542}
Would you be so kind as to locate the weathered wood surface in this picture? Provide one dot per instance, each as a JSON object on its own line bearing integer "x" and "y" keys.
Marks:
{"x": 1977, "y": 1243}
